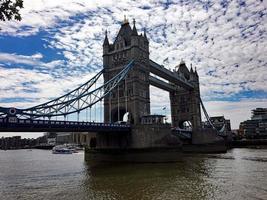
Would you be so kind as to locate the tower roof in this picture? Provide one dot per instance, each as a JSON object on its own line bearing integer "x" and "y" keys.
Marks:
{"x": 145, "y": 35}
{"x": 106, "y": 42}
{"x": 191, "y": 69}
{"x": 125, "y": 32}
{"x": 182, "y": 69}
{"x": 196, "y": 72}
{"x": 134, "y": 32}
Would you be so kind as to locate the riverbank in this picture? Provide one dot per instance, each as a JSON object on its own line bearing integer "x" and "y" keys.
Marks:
{"x": 255, "y": 143}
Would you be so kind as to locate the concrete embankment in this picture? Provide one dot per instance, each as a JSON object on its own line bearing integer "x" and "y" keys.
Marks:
{"x": 255, "y": 143}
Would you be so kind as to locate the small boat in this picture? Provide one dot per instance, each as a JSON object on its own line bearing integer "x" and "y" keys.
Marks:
{"x": 73, "y": 147}
{"x": 60, "y": 149}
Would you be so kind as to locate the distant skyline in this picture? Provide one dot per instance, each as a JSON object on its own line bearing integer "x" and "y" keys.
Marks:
{"x": 58, "y": 46}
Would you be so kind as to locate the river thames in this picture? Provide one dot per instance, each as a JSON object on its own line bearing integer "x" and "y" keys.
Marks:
{"x": 39, "y": 174}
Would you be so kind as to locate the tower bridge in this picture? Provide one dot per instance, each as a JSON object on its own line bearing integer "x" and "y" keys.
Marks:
{"x": 128, "y": 72}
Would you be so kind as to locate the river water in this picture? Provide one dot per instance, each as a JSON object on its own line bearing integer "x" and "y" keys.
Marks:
{"x": 39, "y": 174}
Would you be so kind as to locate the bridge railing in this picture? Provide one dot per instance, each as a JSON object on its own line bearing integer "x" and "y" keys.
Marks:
{"x": 12, "y": 121}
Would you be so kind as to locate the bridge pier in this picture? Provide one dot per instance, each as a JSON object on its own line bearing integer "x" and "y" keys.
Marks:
{"x": 151, "y": 143}
{"x": 140, "y": 137}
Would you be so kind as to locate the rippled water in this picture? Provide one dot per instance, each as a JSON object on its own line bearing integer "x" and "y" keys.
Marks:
{"x": 38, "y": 174}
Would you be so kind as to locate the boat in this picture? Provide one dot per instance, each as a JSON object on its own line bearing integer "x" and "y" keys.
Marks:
{"x": 61, "y": 149}
{"x": 73, "y": 147}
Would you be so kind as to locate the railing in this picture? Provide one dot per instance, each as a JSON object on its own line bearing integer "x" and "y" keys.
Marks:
{"x": 13, "y": 123}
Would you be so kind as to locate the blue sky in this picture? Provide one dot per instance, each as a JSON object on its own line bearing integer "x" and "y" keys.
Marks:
{"x": 58, "y": 45}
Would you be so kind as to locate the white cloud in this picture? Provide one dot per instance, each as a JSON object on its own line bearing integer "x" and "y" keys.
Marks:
{"x": 22, "y": 59}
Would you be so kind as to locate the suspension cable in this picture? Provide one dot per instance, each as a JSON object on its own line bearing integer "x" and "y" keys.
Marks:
{"x": 110, "y": 107}
{"x": 118, "y": 103}
{"x": 67, "y": 104}
{"x": 125, "y": 88}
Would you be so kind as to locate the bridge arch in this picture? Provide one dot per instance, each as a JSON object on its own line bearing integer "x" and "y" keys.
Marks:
{"x": 185, "y": 124}
{"x": 117, "y": 114}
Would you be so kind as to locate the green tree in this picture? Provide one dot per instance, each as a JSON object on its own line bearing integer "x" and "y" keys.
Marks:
{"x": 9, "y": 9}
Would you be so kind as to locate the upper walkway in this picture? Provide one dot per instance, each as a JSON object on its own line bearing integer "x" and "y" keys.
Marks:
{"x": 170, "y": 76}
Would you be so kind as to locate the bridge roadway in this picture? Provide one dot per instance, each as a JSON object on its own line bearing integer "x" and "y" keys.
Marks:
{"x": 14, "y": 124}
{"x": 162, "y": 72}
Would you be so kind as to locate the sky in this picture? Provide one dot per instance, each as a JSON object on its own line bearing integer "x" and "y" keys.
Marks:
{"x": 58, "y": 45}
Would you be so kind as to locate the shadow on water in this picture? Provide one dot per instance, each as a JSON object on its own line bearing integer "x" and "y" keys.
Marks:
{"x": 184, "y": 179}
{"x": 238, "y": 174}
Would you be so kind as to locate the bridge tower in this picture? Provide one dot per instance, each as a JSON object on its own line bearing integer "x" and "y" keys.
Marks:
{"x": 185, "y": 104}
{"x": 133, "y": 94}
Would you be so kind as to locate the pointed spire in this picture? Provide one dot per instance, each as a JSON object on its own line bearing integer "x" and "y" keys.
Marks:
{"x": 134, "y": 32}
{"x": 106, "y": 42}
{"x": 196, "y": 72}
{"x": 145, "y": 35}
{"x": 191, "y": 69}
{"x": 125, "y": 21}
{"x": 182, "y": 62}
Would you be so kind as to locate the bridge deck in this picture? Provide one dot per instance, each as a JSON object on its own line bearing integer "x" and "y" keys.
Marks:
{"x": 27, "y": 125}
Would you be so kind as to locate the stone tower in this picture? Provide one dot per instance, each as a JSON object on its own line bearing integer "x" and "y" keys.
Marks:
{"x": 185, "y": 104}
{"x": 132, "y": 95}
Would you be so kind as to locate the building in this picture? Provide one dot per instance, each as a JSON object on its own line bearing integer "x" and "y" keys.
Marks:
{"x": 259, "y": 114}
{"x": 221, "y": 124}
{"x": 185, "y": 107}
{"x": 153, "y": 119}
{"x": 82, "y": 138}
{"x": 256, "y": 127}
{"x": 16, "y": 142}
{"x": 133, "y": 94}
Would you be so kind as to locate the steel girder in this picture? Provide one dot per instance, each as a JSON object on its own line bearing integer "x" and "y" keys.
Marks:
{"x": 72, "y": 102}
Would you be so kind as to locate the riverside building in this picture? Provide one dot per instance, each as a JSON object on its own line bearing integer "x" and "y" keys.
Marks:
{"x": 256, "y": 127}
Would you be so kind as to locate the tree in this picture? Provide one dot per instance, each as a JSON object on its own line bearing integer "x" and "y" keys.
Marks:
{"x": 9, "y": 9}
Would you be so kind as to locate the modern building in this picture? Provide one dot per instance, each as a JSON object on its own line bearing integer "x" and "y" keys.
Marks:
{"x": 256, "y": 127}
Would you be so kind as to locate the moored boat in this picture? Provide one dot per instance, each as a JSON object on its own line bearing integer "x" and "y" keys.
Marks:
{"x": 60, "y": 149}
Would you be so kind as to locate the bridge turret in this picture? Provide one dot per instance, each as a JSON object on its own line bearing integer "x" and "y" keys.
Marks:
{"x": 133, "y": 94}
{"x": 185, "y": 104}
{"x": 105, "y": 50}
{"x": 134, "y": 32}
{"x": 192, "y": 74}
{"x": 134, "y": 40}
{"x": 106, "y": 43}
{"x": 196, "y": 74}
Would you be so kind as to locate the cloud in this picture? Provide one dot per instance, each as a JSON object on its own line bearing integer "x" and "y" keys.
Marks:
{"x": 22, "y": 59}
{"x": 235, "y": 111}
{"x": 32, "y": 87}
